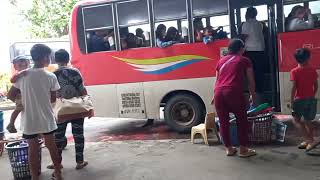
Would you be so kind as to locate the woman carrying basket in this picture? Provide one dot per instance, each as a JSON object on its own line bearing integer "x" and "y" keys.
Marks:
{"x": 71, "y": 84}
{"x": 229, "y": 97}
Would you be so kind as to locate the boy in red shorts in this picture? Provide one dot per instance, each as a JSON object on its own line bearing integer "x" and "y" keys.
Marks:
{"x": 304, "y": 104}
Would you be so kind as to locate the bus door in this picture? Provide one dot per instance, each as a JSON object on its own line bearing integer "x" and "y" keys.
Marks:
{"x": 267, "y": 15}
{"x": 131, "y": 100}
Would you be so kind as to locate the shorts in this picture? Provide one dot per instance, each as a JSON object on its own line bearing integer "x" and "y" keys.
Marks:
{"x": 306, "y": 108}
{"x": 32, "y": 136}
{"x": 18, "y": 102}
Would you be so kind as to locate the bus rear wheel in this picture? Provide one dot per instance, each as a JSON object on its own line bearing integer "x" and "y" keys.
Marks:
{"x": 183, "y": 111}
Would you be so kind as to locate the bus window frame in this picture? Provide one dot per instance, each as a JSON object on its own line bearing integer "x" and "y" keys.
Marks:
{"x": 131, "y": 24}
{"x": 293, "y": 2}
{"x": 92, "y": 29}
{"x": 171, "y": 19}
{"x": 207, "y": 18}
{"x": 178, "y": 27}
{"x": 117, "y": 26}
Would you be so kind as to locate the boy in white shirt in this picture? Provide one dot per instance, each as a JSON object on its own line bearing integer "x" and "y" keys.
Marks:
{"x": 38, "y": 90}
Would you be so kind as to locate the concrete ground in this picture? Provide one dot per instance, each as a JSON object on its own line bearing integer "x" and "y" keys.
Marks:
{"x": 121, "y": 150}
{"x": 179, "y": 159}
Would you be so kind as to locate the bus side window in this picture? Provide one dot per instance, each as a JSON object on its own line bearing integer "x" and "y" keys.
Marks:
{"x": 176, "y": 31}
{"x": 173, "y": 15}
{"x": 99, "y": 30}
{"x": 221, "y": 21}
{"x": 315, "y": 10}
{"x": 134, "y": 26}
{"x": 207, "y": 13}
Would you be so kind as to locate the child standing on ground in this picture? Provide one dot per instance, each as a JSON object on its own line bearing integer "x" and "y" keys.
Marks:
{"x": 38, "y": 90}
{"x": 20, "y": 64}
{"x": 304, "y": 104}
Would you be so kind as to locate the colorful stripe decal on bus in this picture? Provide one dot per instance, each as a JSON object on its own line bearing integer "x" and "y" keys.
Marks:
{"x": 162, "y": 65}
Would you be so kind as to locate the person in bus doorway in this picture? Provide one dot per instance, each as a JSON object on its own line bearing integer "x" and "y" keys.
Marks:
{"x": 20, "y": 64}
{"x": 72, "y": 85}
{"x": 173, "y": 35}
{"x": 208, "y": 35}
{"x": 161, "y": 33}
{"x": 229, "y": 97}
{"x": 305, "y": 86}
{"x": 295, "y": 20}
{"x": 252, "y": 31}
{"x": 198, "y": 28}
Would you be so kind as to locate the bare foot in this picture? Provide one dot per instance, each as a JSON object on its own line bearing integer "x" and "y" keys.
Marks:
{"x": 11, "y": 128}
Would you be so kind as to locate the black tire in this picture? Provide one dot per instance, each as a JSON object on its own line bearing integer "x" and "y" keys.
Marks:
{"x": 183, "y": 111}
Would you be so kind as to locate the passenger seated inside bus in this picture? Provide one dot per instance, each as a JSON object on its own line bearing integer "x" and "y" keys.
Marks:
{"x": 173, "y": 35}
{"x": 198, "y": 28}
{"x": 140, "y": 37}
{"x": 295, "y": 20}
{"x": 161, "y": 35}
{"x": 184, "y": 34}
{"x": 99, "y": 41}
{"x": 316, "y": 21}
{"x": 131, "y": 41}
{"x": 208, "y": 35}
{"x": 111, "y": 40}
{"x": 124, "y": 44}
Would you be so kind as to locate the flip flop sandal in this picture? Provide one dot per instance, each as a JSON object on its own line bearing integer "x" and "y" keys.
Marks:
{"x": 233, "y": 152}
{"x": 312, "y": 146}
{"x": 314, "y": 152}
{"x": 249, "y": 153}
{"x": 303, "y": 145}
{"x": 81, "y": 165}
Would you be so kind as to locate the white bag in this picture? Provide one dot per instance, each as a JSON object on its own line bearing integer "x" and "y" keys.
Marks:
{"x": 77, "y": 107}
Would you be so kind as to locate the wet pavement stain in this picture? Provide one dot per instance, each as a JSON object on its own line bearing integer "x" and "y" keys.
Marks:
{"x": 157, "y": 131}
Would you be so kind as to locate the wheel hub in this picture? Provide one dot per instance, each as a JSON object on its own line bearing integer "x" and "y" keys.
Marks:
{"x": 183, "y": 113}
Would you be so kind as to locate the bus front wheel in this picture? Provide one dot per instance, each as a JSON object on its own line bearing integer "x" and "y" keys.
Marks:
{"x": 183, "y": 111}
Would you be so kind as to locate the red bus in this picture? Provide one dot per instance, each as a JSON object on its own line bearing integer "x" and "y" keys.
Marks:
{"x": 135, "y": 82}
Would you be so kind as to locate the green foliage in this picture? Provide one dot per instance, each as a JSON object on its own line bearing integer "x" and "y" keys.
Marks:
{"x": 4, "y": 82}
{"x": 49, "y": 18}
